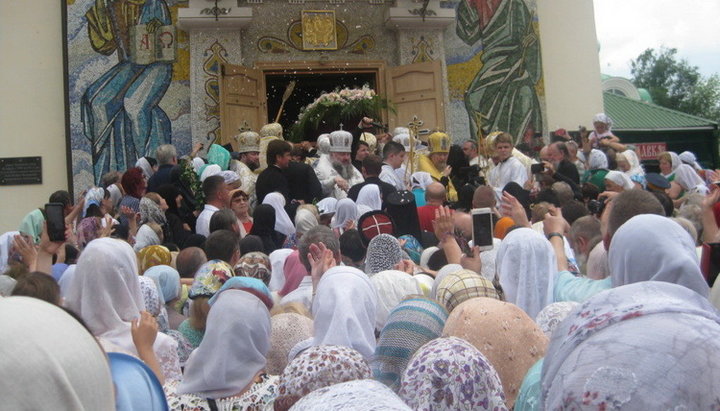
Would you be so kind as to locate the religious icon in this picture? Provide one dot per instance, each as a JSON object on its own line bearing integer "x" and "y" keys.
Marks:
{"x": 318, "y": 30}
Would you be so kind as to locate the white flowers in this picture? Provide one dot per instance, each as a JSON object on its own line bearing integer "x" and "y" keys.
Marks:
{"x": 342, "y": 97}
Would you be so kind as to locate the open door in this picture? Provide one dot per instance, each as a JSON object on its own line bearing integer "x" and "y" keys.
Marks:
{"x": 242, "y": 100}
{"x": 416, "y": 90}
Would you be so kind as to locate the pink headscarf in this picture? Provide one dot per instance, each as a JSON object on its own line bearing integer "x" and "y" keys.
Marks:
{"x": 294, "y": 273}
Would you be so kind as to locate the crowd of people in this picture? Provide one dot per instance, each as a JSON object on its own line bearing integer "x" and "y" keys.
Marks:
{"x": 343, "y": 275}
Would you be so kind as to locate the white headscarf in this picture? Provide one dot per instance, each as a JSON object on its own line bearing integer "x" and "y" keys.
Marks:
{"x": 598, "y": 160}
{"x": 620, "y": 179}
{"x": 327, "y": 205}
{"x": 635, "y": 165}
{"x": 145, "y": 167}
{"x": 346, "y": 211}
{"x": 115, "y": 194}
{"x": 421, "y": 179}
{"x": 209, "y": 171}
{"x": 6, "y": 242}
{"x": 277, "y": 264}
{"x": 304, "y": 220}
{"x": 688, "y": 157}
{"x": 352, "y": 395}
{"x": 391, "y": 286}
{"x": 674, "y": 163}
{"x": 605, "y": 119}
{"x": 95, "y": 196}
{"x": 105, "y": 290}
{"x": 673, "y": 258}
{"x": 344, "y": 310}
{"x": 145, "y": 237}
{"x": 526, "y": 266}
{"x": 233, "y": 350}
{"x": 689, "y": 180}
{"x": 197, "y": 164}
{"x": 230, "y": 176}
{"x": 282, "y": 219}
{"x": 617, "y": 344}
{"x": 48, "y": 360}
{"x": 368, "y": 199}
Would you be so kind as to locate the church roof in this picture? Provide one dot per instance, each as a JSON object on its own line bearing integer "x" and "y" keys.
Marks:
{"x": 629, "y": 114}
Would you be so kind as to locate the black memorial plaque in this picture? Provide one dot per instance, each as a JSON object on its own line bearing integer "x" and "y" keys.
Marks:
{"x": 20, "y": 170}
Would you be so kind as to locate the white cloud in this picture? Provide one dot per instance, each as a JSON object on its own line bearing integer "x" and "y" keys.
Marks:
{"x": 625, "y": 28}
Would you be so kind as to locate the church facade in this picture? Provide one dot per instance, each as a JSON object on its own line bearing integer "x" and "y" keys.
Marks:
{"x": 144, "y": 73}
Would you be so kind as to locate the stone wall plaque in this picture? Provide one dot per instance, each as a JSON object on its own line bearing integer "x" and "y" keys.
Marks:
{"x": 20, "y": 171}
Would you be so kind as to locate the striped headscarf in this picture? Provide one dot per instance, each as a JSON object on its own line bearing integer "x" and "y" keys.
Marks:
{"x": 414, "y": 322}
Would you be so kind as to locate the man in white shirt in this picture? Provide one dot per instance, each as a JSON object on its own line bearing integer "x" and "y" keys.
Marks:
{"x": 393, "y": 159}
{"x": 248, "y": 145}
{"x": 336, "y": 172}
{"x": 216, "y": 197}
{"x": 508, "y": 169}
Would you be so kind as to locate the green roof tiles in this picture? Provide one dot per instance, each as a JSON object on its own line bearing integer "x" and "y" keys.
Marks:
{"x": 628, "y": 114}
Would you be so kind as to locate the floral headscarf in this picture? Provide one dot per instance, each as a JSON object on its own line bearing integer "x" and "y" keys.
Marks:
{"x": 450, "y": 374}
{"x": 644, "y": 346}
{"x": 288, "y": 329}
{"x": 256, "y": 265}
{"x": 552, "y": 315}
{"x": 319, "y": 367}
{"x": 150, "y": 212}
{"x": 352, "y": 395}
{"x": 209, "y": 278}
{"x": 153, "y": 255}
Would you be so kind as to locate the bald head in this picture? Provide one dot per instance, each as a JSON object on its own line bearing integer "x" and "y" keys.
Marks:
{"x": 435, "y": 194}
{"x": 484, "y": 197}
{"x": 189, "y": 260}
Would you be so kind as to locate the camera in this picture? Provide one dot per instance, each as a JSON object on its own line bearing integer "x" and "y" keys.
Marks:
{"x": 596, "y": 207}
{"x": 537, "y": 168}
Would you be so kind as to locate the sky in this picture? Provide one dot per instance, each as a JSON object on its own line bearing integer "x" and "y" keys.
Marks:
{"x": 625, "y": 28}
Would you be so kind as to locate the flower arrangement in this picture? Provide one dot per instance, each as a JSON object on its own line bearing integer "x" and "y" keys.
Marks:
{"x": 345, "y": 106}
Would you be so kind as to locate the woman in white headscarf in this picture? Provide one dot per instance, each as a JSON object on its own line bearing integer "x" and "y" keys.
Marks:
{"x": 227, "y": 370}
{"x": 146, "y": 167}
{"x": 344, "y": 310}
{"x": 673, "y": 259}
{"x": 391, "y": 287}
{"x": 326, "y": 210}
{"x": 617, "y": 182}
{"x": 346, "y": 215}
{"x": 597, "y": 165}
{"x": 304, "y": 220}
{"x": 668, "y": 161}
{"x": 686, "y": 181}
{"x": 368, "y": 199}
{"x": 277, "y": 262}
{"x": 147, "y": 235}
{"x": 105, "y": 293}
{"x": 48, "y": 360}
{"x": 283, "y": 224}
{"x": 610, "y": 352}
{"x": 602, "y": 125}
{"x": 633, "y": 166}
{"x": 526, "y": 266}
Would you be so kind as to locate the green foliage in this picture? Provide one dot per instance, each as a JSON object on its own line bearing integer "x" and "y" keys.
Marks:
{"x": 345, "y": 106}
{"x": 191, "y": 180}
{"x": 675, "y": 84}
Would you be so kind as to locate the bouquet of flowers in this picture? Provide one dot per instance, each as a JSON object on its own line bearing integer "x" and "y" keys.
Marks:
{"x": 346, "y": 106}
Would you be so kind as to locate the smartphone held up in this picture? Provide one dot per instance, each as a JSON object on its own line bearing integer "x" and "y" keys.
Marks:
{"x": 482, "y": 228}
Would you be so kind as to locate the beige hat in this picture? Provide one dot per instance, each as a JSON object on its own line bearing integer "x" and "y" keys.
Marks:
{"x": 340, "y": 141}
{"x": 272, "y": 130}
{"x": 247, "y": 141}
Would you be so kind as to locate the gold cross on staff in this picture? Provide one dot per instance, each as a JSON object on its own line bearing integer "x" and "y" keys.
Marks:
{"x": 413, "y": 126}
{"x": 245, "y": 127}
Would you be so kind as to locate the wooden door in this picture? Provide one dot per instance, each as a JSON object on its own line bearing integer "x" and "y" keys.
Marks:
{"x": 242, "y": 100}
{"x": 416, "y": 90}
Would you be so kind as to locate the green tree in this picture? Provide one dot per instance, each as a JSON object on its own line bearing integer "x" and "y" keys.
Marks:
{"x": 675, "y": 84}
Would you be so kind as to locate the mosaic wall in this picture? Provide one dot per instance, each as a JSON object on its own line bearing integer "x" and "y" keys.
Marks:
{"x": 494, "y": 68}
{"x": 129, "y": 83}
{"x": 137, "y": 82}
